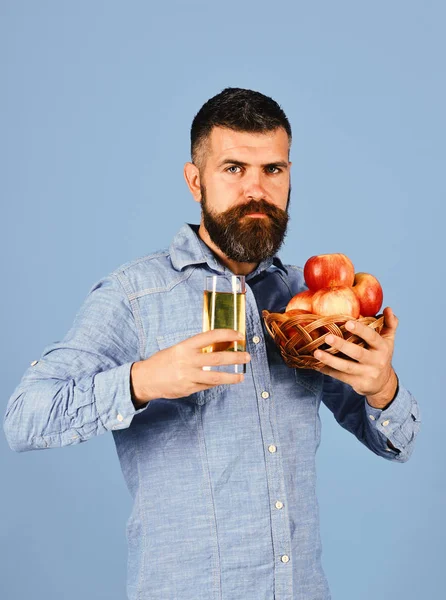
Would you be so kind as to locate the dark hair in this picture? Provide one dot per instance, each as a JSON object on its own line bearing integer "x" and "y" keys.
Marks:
{"x": 237, "y": 109}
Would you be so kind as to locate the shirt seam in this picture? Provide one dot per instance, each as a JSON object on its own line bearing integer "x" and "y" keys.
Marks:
{"x": 134, "y": 307}
{"x": 128, "y": 265}
{"x": 168, "y": 288}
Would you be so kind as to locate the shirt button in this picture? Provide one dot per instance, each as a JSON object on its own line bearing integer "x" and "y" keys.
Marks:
{"x": 279, "y": 504}
{"x": 34, "y": 363}
{"x": 372, "y": 417}
{"x": 385, "y": 423}
{"x": 272, "y": 448}
{"x": 120, "y": 418}
{"x": 265, "y": 395}
{"x": 256, "y": 339}
{"x": 285, "y": 558}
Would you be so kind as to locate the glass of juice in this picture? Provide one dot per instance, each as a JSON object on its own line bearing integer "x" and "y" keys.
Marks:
{"x": 224, "y": 308}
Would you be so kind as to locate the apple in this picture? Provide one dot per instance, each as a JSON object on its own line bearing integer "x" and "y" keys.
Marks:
{"x": 328, "y": 270}
{"x": 297, "y": 311}
{"x": 302, "y": 300}
{"x": 369, "y": 293}
{"x": 339, "y": 300}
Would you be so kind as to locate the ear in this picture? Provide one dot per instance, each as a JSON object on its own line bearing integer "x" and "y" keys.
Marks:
{"x": 192, "y": 177}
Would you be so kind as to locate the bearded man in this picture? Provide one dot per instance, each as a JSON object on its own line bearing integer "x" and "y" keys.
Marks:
{"x": 220, "y": 465}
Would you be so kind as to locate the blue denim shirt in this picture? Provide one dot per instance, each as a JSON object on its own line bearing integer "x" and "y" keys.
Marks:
{"x": 223, "y": 481}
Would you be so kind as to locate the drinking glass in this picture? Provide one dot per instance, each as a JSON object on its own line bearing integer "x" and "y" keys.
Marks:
{"x": 224, "y": 308}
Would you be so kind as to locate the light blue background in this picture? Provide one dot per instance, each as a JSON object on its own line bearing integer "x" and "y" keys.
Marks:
{"x": 96, "y": 106}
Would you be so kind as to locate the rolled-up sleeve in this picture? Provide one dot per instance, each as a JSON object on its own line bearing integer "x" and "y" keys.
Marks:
{"x": 399, "y": 423}
{"x": 80, "y": 386}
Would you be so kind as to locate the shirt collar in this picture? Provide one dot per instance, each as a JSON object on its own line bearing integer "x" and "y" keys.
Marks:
{"x": 187, "y": 248}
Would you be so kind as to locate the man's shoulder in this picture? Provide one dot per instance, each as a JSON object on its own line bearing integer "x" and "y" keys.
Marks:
{"x": 153, "y": 260}
{"x": 148, "y": 273}
{"x": 294, "y": 271}
{"x": 279, "y": 262}
{"x": 295, "y": 276}
{"x": 294, "y": 268}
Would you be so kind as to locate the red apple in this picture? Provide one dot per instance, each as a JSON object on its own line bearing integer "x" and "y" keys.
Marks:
{"x": 302, "y": 300}
{"x": 369, "y": 292}
{"x": 297, "y": 311}
{"x": 328, "y": 270}
{"x": 340, "y": 300}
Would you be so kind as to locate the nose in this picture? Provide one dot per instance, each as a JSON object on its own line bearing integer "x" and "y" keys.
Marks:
{"x": 254, "y": 186}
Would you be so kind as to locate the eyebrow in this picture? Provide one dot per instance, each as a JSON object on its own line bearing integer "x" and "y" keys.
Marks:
{"x": 239, "y": 163}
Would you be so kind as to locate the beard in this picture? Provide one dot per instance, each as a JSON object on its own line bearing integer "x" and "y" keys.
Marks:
{"x": 248, "y": 239}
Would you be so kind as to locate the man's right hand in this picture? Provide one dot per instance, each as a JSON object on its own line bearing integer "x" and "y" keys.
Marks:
{"x": 178, "y": 371}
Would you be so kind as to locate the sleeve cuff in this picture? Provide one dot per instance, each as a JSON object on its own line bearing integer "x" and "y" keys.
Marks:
{"x": 113, "y": 397}
{"x": 395, "y": 422}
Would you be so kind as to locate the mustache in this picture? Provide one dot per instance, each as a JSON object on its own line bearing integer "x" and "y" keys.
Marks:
{"x": 255, "y": 206}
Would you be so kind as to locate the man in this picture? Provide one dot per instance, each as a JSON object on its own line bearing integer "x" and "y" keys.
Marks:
{"x": 221, "y": 466}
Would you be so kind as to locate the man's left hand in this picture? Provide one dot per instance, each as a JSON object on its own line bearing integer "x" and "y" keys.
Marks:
{"x": 370, "y": 373}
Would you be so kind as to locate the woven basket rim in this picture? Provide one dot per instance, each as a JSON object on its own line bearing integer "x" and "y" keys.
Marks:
{"x": 278, "y": 325}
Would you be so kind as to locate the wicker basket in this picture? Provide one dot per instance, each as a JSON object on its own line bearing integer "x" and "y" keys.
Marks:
{"x": 298, "y": 336}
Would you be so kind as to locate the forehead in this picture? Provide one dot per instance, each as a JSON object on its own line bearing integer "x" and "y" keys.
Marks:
{"x": 225, "y": 142}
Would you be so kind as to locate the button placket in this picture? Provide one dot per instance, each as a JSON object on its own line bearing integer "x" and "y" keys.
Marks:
{"x": 273, "y": 456}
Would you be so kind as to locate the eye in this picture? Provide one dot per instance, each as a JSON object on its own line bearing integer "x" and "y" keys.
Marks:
{"x": 277, "y": 170}
{"x": 232, "y": 167}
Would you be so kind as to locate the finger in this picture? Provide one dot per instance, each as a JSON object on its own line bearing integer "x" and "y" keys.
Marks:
{"x": 342, "y": 365}
{"x": 355, "y": 351}
{"x": 213, "y": 378}
{"x": 214, "y": 336}
{"x": 213, "y": 359}
{"x": 333, "y": 373}
{"x": 390, "y": 323}
{"x": 369, "y": 335}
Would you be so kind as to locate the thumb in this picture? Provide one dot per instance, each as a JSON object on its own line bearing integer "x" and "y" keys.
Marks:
{"x": 390, "y": 324}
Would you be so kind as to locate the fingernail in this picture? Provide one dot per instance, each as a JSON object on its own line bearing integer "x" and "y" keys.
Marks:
{"x": 350, "y": 325}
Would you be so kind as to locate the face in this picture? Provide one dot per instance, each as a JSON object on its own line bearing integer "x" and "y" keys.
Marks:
{"x": 245, "y": 192}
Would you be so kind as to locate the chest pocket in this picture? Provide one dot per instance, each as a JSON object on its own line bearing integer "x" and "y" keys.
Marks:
{"x": 175, "y": 337}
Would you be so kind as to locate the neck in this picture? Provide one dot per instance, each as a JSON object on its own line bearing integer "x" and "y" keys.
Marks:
{"x": 238, "y": 268}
